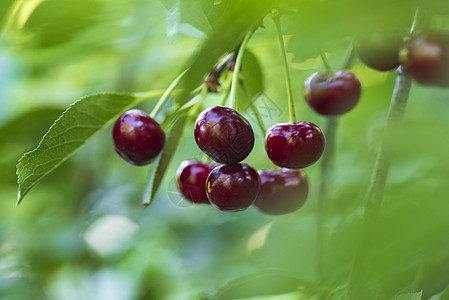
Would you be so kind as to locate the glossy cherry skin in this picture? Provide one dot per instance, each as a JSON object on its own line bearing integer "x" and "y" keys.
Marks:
{"x": 232, "y": 187}
{"x": 224, "y": 135}
{"x": 294, "y": 145}
{"x": 331, "y": 96}
{"x": 380, "y": 50}
{"x": 137, "y": 138}
{"x": 191, "y": 179}
{"x": 425, "y": 58}
{"x": 281, "y": 192}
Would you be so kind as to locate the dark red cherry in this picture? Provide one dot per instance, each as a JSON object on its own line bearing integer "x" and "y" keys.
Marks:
{"x": 224, "y": 135}
{"x": 232, "y": 187}
{"x": 281, "y": 192}
{"x": 425, "y": 58}
{"x": 380, "y": 49}
{"x": 191, "y": 179}
{"x": 137, "y": 138}
{"x": 294, "y": 145}
{"x": 332, "y": 96}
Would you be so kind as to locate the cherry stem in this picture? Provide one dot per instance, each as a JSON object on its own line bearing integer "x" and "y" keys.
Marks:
{"x": 165, "y": 96}
{"x": 416, "y": 20}
{"x": 349, "y": 58}
{"x": 226, "y": 93}
{"x": 357, "y": 279}
{"x": 258, "y": 118}
{"x": 235, "y": 76}
{"x": 327, "y": 171}
{"x": 202, "y": 95}
{"x": 152, "y": 94}
{"x": 326, "y": 64}
{"x": 216, "y": 72}
{"x": 195, "y": 111}
{"x": 291, "y": 105}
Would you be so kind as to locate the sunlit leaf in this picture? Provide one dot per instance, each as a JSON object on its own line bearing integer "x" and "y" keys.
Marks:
{"x": 52, "y": 22}
{"x": 177, "y": 120}
{"x": 200, "y": 14}
{"x": 224, "y": 38}
{"x": 251, "y": 80}
{"x": 160, "y": 166}
{"x": 410, "y": 296}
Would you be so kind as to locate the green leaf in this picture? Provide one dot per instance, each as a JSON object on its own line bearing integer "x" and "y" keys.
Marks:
{"x": 410, "y": 296}
{"x": 199, "y": 14}
{"x": 74, "y": 128}
{"x": 251, "y": 80}
{"x": 168, "y": 3}
{"x": 177, "y": 120}
{"x": 202, "y": 14}
{"x": 226, "y": 34}
{"x": 53, "y": 22}
{"x": 442, "y": 295}
{"x": 266, "y": 283}
{"x": 160, "y": 166}
{"x": 173, "y": 20}
{"x": 5, "y": 13}
{"x": 328, "y": 25}
{"x": 445, "y": 294}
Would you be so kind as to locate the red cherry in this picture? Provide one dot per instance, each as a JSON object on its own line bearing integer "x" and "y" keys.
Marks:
{"x": 224, "y": 135}
{"x": 137, "y": 138}
{"x": 294, "y": 145}
{"x": 281, "y": 192}
{"x": 332, "y": 95}
{"x": 425, "y": 58}
{"x": 191, "y": 179}
{"x": 232, "y": 187}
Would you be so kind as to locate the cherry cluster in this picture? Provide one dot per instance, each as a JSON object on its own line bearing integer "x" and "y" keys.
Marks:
{"x": 236, "y": 187}
{"x": 227, "y": 138}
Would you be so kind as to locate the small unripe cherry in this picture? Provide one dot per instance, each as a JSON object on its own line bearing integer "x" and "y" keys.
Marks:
{"x": 379, "y": 50}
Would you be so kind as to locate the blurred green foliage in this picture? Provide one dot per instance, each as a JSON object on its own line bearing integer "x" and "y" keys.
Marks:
{"x": 82, "y": 234}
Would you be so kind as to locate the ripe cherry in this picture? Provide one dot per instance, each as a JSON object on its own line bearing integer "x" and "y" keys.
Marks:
{"x": 332, "y": 95}
{"x": 380, "y": 49}
{"x": 425, "y": 58}
{"x": 224, "y": 135}
{"x": 137, "y": 138}
{"x": 294, "y": 145}
{"x": 281, "y": 192}
{"x": 191, "y": 179}
{"x": 232, "y": 187}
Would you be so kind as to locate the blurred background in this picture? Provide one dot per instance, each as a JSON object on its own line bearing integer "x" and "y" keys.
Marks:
{"x": 82, "y": 233}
